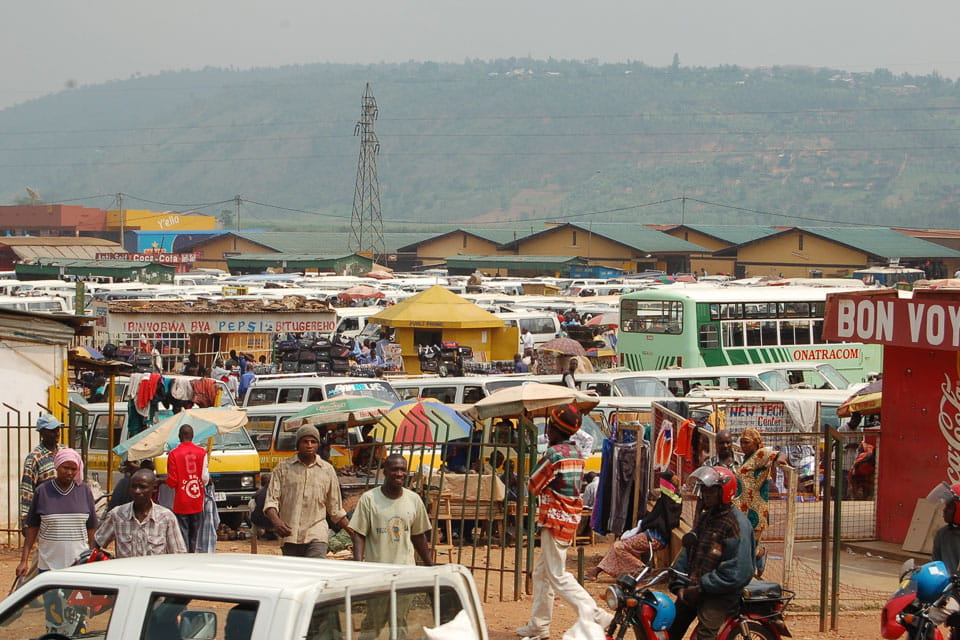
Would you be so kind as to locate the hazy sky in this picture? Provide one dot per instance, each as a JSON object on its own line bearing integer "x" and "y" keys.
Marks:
{"x": 45, "y": 45}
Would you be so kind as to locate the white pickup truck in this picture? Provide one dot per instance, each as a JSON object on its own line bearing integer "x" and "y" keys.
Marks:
{"x": 243, "y": 597}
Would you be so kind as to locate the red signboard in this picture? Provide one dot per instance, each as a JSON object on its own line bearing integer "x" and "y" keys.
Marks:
{"x": 926, "y": 321}
{"x": 920, "y": 428}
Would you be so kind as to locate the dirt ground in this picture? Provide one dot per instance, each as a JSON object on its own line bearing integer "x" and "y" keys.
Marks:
{"x": 503, "y": 617}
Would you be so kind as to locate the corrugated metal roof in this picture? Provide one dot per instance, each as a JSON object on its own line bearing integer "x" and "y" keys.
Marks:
{"x": 27, "y": 248}
{"x": 274, "y": 257}
{"x": 499, "y": 236}
{"x": 515, "y": 260}
{"x": 323, "y": 242}
{"x": 99, "y": 264}
{"x": 634, "y": 236}
{"x": 733, "y": 233}
{"x": 883, "y": 242}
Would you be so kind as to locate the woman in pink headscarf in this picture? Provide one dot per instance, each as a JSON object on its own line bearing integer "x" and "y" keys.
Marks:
{"x": 62, "y": 517}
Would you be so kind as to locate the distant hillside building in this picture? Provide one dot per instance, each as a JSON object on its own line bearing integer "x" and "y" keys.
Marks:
{"x": 51, "y": 220}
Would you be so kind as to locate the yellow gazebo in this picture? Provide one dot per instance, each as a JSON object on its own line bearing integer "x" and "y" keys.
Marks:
{"x": 438, "y": 315}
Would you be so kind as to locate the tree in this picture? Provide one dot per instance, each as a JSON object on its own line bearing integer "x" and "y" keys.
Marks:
{"x": 675, "y": 65}
{"x": 226, "y": 218}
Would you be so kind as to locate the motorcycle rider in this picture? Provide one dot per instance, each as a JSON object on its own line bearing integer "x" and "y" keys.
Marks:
{"x": 946, "y": 543}
{"x": 718, "y": 559}
{"x": 946, "y": 548}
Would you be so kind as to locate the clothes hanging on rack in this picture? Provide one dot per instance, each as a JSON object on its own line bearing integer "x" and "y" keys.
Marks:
{"x": 621, "y": 494}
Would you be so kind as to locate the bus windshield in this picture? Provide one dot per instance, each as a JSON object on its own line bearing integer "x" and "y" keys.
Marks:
{"x": 834, "y": 377}
{"x": 775, "y": 380}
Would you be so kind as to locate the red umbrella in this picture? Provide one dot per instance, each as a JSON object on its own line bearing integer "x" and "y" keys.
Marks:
{"x": 602, "y": 319}
{"x": 361, "y": 292}
{"x": 566, "y": 346}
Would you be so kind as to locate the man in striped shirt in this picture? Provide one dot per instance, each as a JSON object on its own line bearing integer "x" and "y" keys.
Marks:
{"x": 38, "y": 465}
{"x": 556, "y": 481}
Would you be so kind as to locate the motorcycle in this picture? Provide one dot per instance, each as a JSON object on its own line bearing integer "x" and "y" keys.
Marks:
{"x": 650, "y": 613}
{"x": 926, "y": 597}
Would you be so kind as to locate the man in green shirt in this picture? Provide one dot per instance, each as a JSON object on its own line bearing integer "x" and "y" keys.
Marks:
{"x": 390, "y": 521}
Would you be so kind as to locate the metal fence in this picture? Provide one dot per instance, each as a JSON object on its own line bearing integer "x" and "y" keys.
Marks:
{"x": 19, "y": 438}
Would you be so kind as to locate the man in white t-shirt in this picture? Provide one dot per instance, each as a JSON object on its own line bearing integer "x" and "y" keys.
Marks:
{"x": 526, "y": 340}
{"x": 390, "y": 522}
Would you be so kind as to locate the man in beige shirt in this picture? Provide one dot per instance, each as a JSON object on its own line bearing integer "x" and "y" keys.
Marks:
{"x": 303, "y": 491}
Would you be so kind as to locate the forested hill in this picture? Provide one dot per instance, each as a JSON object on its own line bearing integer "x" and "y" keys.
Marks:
{"x": 518, "y": 140}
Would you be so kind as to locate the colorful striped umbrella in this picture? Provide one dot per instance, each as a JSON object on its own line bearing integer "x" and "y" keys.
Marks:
{"x": 421, "y": 421}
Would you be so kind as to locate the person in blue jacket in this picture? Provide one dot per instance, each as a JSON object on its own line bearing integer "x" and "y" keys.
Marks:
{"x": 718, "y": 559}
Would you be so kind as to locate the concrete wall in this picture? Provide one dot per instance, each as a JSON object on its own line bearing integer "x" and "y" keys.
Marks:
{"x": 698, "y": 261}
{"x": 439, "y": 249}
{"x": 28, "y": 371}
{"x": 154, "y": 221}
{"x": 210, "y": 253}
{"x": 795, "y": 253}
{"x": 565, "y": 241}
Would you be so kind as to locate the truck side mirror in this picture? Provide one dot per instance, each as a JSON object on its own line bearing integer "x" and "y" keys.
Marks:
{"x": 198, "y": 625}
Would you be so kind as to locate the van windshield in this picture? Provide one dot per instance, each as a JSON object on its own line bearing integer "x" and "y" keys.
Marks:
{"x": 834, "y": 377}
{"x": 642, "y": 387}
{"x": 234, "y": 440}
{"x": 372, "y": 389}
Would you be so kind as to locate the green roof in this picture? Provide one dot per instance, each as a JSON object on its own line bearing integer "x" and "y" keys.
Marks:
{"x": 517, "y": 262}
{"x": 131, "y": 269}
{"x": 324, "y": 242}
{"x": 732, "y": 233}
{"x": 635, "y": 236}
{"x": 878, "y": 242}
{"x": 297, "y": 260}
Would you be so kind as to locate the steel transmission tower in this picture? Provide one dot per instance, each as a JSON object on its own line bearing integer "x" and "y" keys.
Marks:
{"x": 366, "y": 223}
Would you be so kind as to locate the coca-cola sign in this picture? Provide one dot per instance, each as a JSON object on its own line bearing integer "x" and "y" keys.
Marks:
{"x": 949, "y": 422}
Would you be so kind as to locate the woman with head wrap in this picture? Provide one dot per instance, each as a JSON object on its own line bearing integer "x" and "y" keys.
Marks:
{"x": 754, "y": 474}
{"x": 62, "y": 517}
{"x": 652, "y": 533}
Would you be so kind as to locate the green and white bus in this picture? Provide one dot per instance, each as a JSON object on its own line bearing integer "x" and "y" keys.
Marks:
{"x": 705, "y": 326}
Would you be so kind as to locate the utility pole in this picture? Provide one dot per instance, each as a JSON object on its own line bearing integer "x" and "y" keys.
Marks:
{"x": 236, "y": 200}
{"x": 120, "y": 207}
{"x": 366, "y": 221}
{"x": 683, "y": 208}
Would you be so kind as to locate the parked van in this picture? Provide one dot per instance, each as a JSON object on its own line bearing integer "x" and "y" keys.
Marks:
{"x": 614, "y": 383}
{"x": 295, "y": 387}
{"x": 542, "y": 324}
{"x": 35, "y": 304}
{"x": 455, "y": 389}
{"x": 274, "y": 443}
{"x": 352, "y": 320}
{"x": 740, "y": 377}
{"x": 234, "y": 464}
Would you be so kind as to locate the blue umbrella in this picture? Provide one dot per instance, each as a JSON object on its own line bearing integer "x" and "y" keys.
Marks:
{"x": 164, "y": 435}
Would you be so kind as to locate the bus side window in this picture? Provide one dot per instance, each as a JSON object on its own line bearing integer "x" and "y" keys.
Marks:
{"x": 314, "y": 394}
{"x": 709, "y": 336}
{"x": 472, "y": 394}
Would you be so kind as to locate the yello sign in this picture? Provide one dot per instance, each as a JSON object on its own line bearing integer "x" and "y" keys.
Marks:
{"x": 923, "y": 322}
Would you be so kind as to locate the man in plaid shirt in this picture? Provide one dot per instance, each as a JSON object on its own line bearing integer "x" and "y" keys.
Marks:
{"x": 140, "y": 527}
{"x": 556, "y": 481}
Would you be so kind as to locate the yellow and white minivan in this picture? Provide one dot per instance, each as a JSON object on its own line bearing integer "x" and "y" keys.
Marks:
{"x": 234, "y": 464}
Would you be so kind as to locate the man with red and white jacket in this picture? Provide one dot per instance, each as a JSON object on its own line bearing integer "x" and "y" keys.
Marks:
{"x": 187, "y": 475}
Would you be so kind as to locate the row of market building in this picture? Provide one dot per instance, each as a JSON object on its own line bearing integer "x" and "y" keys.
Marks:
{"x": 566, "y": 249}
